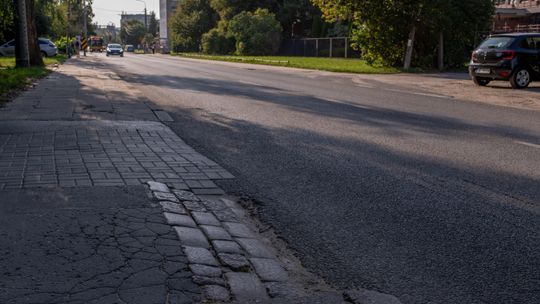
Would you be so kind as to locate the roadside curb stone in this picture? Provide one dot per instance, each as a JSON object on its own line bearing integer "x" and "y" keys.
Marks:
{"x": 269, "y": 270}
{"x": 216, "y": 233}
{"x": 192, "y": 237}
{"x": 246, "y": 286}
{"x": 200, "y": 256}
{"x": 227, "y": 247}
{"x": 219, "y": 247}
{"x": 179, "y": 220}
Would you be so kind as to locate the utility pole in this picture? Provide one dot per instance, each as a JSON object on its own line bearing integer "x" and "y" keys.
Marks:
{"x": 410, "y": 42}
{"x": 22, "y": 47}
{"x": 145, "y": 14}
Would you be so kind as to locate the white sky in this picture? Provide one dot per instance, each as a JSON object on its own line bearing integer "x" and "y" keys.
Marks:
{"x": 107, "y": 11}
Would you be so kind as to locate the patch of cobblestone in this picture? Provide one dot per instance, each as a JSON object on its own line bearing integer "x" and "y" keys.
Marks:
{"x": 222, "y": 252}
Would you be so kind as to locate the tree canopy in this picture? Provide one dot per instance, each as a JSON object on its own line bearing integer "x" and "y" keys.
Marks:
{"x": 381, "y": 28}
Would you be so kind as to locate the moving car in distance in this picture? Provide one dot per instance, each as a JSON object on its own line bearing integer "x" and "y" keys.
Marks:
{"x": 130, "y": 48}
{"x": 114, "y": 49}
{"x": 511, "y": 57}
{"x": 46, "y": 47}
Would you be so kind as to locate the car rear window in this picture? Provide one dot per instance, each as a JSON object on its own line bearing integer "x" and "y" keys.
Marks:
{"x": 497, "y": 43}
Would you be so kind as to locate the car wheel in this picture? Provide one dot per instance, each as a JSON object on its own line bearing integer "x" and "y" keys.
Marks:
{"x": 521, "y": 78}
{"x": 43, "y": 54}
{"x": 479, "y": 81}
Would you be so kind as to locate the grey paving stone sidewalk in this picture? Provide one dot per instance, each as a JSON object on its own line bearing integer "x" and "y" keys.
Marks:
{"x": 100, "y": 153}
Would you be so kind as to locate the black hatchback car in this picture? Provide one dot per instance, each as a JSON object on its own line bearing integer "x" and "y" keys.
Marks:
{"x": 514, "y": 57}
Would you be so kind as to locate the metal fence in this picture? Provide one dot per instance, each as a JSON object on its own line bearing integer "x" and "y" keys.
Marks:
{"x": 338, "y": 47}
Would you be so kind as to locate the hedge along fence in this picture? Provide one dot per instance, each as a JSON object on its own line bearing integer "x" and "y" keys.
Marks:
{"x": 338, "y": 47}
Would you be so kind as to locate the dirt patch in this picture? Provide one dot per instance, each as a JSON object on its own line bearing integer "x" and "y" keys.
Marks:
{"x": 459, "y": 86}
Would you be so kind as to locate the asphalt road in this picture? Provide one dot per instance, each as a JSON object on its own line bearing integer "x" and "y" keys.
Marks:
{"x": 428, "y": 198}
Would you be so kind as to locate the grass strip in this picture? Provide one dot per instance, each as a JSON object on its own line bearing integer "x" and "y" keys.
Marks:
{"x": 313, "y": 63}
{"x": 13, "y": 79}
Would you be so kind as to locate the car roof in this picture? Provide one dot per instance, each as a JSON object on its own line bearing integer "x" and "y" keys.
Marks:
{"x": 514, "y": 35}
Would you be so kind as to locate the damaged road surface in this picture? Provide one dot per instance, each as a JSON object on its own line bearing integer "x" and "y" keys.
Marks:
{"x": 89, "y": 245}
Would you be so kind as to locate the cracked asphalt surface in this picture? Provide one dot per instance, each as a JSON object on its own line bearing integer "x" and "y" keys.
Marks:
{"x": 89, "y": 245}
{"x": 428, "y": 198}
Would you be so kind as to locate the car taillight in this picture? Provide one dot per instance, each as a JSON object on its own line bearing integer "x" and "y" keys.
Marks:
{"x": 508, "y": 55}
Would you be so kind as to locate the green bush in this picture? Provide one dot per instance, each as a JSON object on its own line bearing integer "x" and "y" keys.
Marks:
{"x": 216, "y": 41}
{"x": 62, "y": 44}
{"x": 257, "y": 33}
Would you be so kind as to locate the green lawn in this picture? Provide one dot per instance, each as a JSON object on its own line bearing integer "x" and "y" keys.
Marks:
{"x": 313, "y": 63}
{"x": 12, "y": 79}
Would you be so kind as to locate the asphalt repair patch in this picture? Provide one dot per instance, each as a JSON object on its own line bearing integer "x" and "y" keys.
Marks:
{"x": 89, "y": 245}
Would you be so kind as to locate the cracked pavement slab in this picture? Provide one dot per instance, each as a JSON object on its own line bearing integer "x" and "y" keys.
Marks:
{"x": 89, "y": 245}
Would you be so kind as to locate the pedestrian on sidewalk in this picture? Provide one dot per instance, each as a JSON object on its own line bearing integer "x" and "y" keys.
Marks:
{"x": 77, "y": 48}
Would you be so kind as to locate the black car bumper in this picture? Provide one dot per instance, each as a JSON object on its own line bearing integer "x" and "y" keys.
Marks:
{"x": 114, "y": 53}
{"x": 490, "y": 71}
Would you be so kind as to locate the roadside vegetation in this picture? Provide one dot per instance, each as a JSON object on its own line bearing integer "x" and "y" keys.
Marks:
{"x": 13, "y": 79}
{"x": 378, "y": 30}
{"x": 312, "y": 63}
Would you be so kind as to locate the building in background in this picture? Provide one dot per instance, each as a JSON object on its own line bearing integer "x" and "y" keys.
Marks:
{"x": 517, "y": 16}
{"x": 110, "y": 33}
{"x": 139, "y": 17}
{"x": 166, "y": 10}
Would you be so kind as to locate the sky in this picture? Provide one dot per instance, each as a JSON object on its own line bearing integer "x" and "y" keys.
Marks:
{"x": 107, "y": 11}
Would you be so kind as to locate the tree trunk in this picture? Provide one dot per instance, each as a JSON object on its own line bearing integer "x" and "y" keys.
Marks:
{"x": 22, "y": 59}
{"x": 33, "y": 45}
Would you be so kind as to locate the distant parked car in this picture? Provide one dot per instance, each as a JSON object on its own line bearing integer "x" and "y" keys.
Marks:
{"x": 512, "y": 57}
{"x": 47, "y": 48}
{"x": 114, "y": 49}
{"x": 130, "y": 48}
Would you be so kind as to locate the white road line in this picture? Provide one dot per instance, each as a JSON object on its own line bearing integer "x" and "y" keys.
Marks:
{"x": 527, "y": 144}
{"x": 417, "y": 93}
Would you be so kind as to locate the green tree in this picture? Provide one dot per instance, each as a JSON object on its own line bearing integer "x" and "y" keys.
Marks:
{"x": 257, "y": 33}
{"x": 6, "y": 21}
{"x": 132, "y": 32}
{"x": 153, "y": 25}
{"x": 192, "y": 19}
{"x": 381, "y": 29}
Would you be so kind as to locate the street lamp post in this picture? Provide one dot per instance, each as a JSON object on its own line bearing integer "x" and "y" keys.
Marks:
{"x": 145, "y": 16}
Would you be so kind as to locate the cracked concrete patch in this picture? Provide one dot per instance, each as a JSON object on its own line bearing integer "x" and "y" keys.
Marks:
{"x": 93, "y": 245}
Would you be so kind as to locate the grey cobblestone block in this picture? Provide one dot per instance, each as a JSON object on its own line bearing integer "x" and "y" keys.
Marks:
{"x": 215, "y": 233}
{"x": 196, "y": 255}
{"x": 204, "y": 270}
{"x": 185, "y": 195}
{"x": 173, "y": 207}
{"x": 202, "y": 280}
{"x": 205, "y": 218}
{"x": 179, "y": 220}
{"x": 227, "y": 247}
{"x": 164, "y": 196}
{"x": 255, "y": 248}
{"x": 246, "y": 287}
{"x": 238, "y": 230}
{"x": 216, "y": 293}
{"x": 214, "y": 205}
{"x": 236, "y": 262}
{"x": 269, "y": 270}
{"x": 192, "y": 237}
{"x": 160, "y": 187}
{"x": 194, "y": 206}
{"x": 208, "y": 191}
{"x": 226, "y": 215}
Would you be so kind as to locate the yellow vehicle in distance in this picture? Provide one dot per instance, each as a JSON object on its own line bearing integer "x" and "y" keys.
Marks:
{"x": 95, "y": 44}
